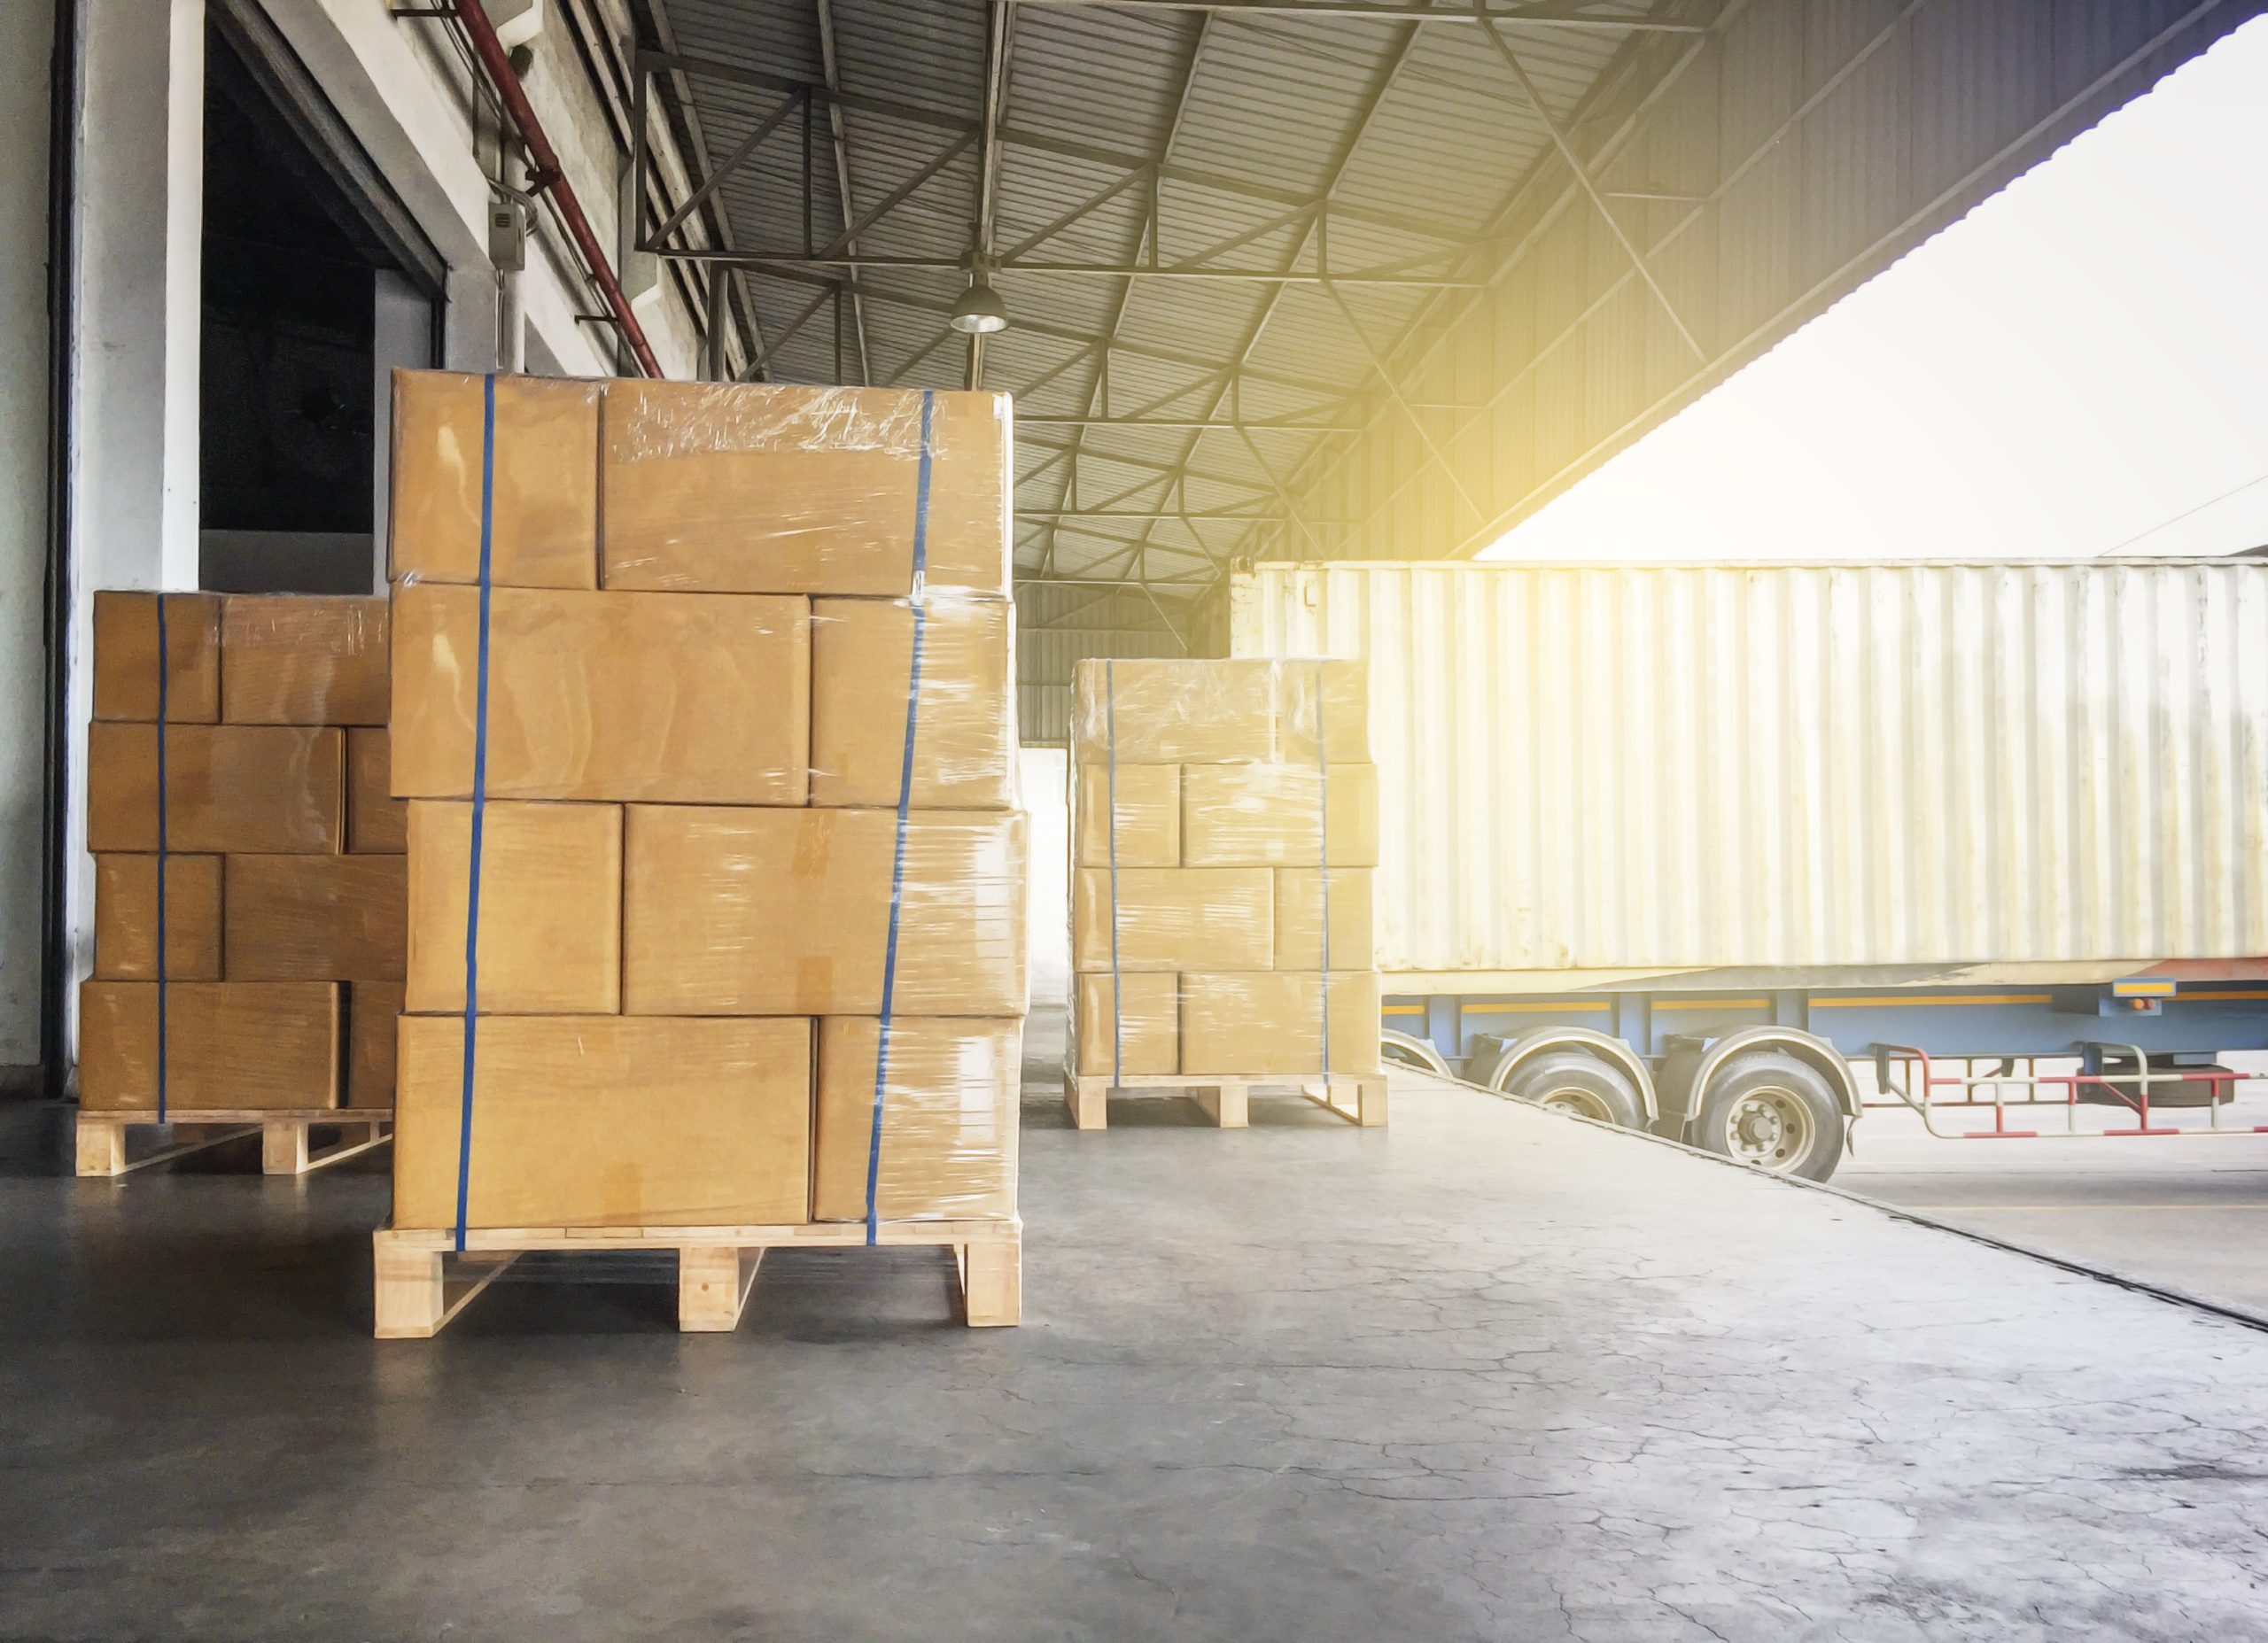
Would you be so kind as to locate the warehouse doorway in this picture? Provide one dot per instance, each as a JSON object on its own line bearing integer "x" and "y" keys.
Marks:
{"x": 316, "y": 286}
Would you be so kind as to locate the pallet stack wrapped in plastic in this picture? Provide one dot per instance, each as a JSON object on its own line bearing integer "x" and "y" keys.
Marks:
{"x": 703, "y": 711}
{"x": 1224, "y": 824}
{"x": 249, "y": 875}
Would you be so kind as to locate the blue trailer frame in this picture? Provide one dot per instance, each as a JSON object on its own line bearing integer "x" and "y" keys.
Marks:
{"x": 1668, "y": 1041}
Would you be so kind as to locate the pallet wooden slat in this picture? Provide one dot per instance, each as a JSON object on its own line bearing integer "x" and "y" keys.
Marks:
{"x": 286, "y": 1147}
{"x": 422, "y": 1281}
{"x": 1361, "y": 1101}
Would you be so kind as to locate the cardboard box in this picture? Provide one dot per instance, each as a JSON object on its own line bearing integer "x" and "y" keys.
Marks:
{"x": 1174, "y": 711}
{"x": 693, "y": 699}
{"x": 1174, "y": 919}
{"x": 965, "y": 725}
{"x": 1299, "y": 918}
{"x": 1342, "y": 691}
{"x": 550, "y": 907}
{"x": 266, "y": 788}
{"x": 1148, "y": 832}
{"x": 1145, "y": 1035}
{"x": 373, "y": 1009}
{"x": 949, "y": 1133}
{"x": 1274, "y": 815}
{"x": 126, "y": 657}
{"x": 229, "y": 1045}
{"x": 762, "y": 488}
{"x": 605, "y": 1122}
{"x": 1249, "y": 1026}
{"x": 731, "y": 911}
{"x": 377, "y": 824}
{"x": 545, "y": 510}
{"x": 126, "y": 918}
{"x": 303, "y": 659}
{"x": 316, "y": 917}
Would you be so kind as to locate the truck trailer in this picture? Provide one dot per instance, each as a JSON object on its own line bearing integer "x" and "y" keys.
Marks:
{"x": 1734, "y": 853}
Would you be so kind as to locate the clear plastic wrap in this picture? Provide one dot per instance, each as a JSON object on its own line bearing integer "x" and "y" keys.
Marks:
{"x": 765, "y": 488}
{"x": 965, "y": 724}
{"x": 949, "y": 1096}
{"x": 1279, "y": 815}
{"x": 1199, "y": 898}
{"x": 1257, "y": 1022}
{"x": 550, "y": 907}
{"x": 314, "y": 917}
{"x": 303, "y": 659}
{"x": 249, "y": 788}
{"x": 126, "y": 657}
{"x": 606, "y": 1121}
{"x": 1173, "y": 919}
{"x": 603, "y": 696}
{"x": 544, "y": 513}
{"x": 264, "y": 788}
{"x": 126, "y": 918}
{"x": 730, "y": 911}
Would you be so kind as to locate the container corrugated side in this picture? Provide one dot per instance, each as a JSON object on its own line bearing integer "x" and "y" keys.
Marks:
{"x": 1600, "y": 769}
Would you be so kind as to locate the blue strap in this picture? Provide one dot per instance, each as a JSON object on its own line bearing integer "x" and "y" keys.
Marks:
{"x": 164, "y": 669}
{"x": 479, "y": 797}
{"x": 1323, "y": 837}
{"x": 1110, "y": 745}
{"x": 905, "y": 803}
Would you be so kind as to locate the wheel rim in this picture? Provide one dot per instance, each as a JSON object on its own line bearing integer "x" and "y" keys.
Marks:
{"x": 1573, "y": 1098}
{"x": 1769, "y": 1127}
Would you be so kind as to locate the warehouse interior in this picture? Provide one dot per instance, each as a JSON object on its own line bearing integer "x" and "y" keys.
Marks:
{"x": 1288, "y": 304}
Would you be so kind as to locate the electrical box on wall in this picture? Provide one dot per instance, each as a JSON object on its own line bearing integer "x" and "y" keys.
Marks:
{"x": 516, "y": 22}
{"x": 507, "y": 235}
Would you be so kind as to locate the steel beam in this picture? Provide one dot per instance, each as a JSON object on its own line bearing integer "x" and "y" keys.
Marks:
{"x": 1387, "y": 12}
{"x": 1012, "y": 136}
{"x": 842, "y": 137}
{"x": 1583, "y": 177}
{"x": 828, "y": 258}
{"x": 1213, "y": 425}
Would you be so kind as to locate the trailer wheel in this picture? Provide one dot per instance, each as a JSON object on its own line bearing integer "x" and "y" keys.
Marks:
{"x": 1571, "y": 1082}
{"x": 1772, "y": 1111}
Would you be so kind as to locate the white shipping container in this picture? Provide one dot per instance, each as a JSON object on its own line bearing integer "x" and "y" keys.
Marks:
{"x": 1638, "y": 768}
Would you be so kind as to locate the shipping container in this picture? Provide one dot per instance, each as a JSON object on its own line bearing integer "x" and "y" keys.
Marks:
{"x": 1956, "y": 808}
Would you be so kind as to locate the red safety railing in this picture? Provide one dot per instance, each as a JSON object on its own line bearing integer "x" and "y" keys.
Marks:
{"x": 2130, "y": 1091}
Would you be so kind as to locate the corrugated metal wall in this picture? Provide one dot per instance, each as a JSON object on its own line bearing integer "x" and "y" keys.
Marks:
{"x": 1656, "y": 767}
{"x": 1058, "y": 625}
{"x": 1806, "y": 144}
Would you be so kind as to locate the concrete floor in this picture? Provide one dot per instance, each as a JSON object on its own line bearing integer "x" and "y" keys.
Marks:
{"x": 1488, "y": 1374}
{"x": 2189, "y": 1213}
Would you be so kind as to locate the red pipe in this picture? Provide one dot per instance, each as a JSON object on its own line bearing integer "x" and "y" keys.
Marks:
{"x": 551, "y": 176}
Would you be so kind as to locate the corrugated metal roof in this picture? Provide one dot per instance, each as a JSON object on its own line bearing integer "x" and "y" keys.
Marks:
{"x": 1416, "y": 134}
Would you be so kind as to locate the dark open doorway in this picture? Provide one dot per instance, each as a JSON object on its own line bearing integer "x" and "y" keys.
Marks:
{"x": 310, "y": 296}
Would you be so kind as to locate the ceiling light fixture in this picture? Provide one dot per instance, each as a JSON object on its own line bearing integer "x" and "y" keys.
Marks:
{"x": 980, "y": 312}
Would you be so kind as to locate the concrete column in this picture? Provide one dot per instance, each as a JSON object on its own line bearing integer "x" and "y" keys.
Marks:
{"x": 139, "y": 203}
{"x": 27, "y": 37}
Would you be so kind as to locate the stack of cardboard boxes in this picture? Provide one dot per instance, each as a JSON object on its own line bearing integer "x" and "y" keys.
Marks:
{"x": 1219, "y": 809}
{"x": 721, "y": 899}
{"x": 283, "y": 879}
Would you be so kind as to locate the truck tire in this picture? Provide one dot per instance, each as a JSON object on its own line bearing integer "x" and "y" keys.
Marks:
{"x": 1568, "y": 1081}
{"x": 1770, "y": 1110}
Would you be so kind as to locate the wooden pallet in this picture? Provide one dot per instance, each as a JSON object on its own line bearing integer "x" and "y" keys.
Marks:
{"x": 286, "y": 1144}
{"x": 422, "y": 1281}
{"x": 1226, "y": 1101}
